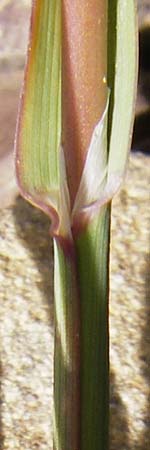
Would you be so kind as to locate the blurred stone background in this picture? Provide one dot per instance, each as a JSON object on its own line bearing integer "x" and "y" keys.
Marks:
{"x": 26, "y": 272}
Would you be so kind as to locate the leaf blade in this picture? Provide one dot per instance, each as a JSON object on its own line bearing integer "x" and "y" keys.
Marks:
{"x": 123, "y": 83}
{"x": 39, "y": 126}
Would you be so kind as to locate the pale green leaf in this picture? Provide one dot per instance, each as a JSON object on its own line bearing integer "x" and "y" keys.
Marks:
{"x": 122, "y": 82}
{"x": 39, "y": 127}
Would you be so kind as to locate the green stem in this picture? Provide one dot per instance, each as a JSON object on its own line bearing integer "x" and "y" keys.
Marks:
{"x": 93, "y": 269}
{"x": 81, "y": 423}
{"x": 67, "y": 351}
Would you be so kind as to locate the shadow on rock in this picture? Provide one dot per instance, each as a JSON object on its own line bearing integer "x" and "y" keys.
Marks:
{"x": 141, "y": 132}
{"x": 33, "y": 229}
{"x": 145, "y": 358}
{"x": 1, "y": 424}
{"x": 119, "y": 431}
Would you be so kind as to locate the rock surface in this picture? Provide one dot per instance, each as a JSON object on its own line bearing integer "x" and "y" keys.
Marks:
{"x": 26, "y": 287}
{"x": 14, "y": 24}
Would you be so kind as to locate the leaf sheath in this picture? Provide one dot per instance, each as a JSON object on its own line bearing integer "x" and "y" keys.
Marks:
{"x": 67, "y": 351}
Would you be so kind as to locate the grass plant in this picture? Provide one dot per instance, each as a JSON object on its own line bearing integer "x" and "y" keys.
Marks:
{"x": 73, "y": 135}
